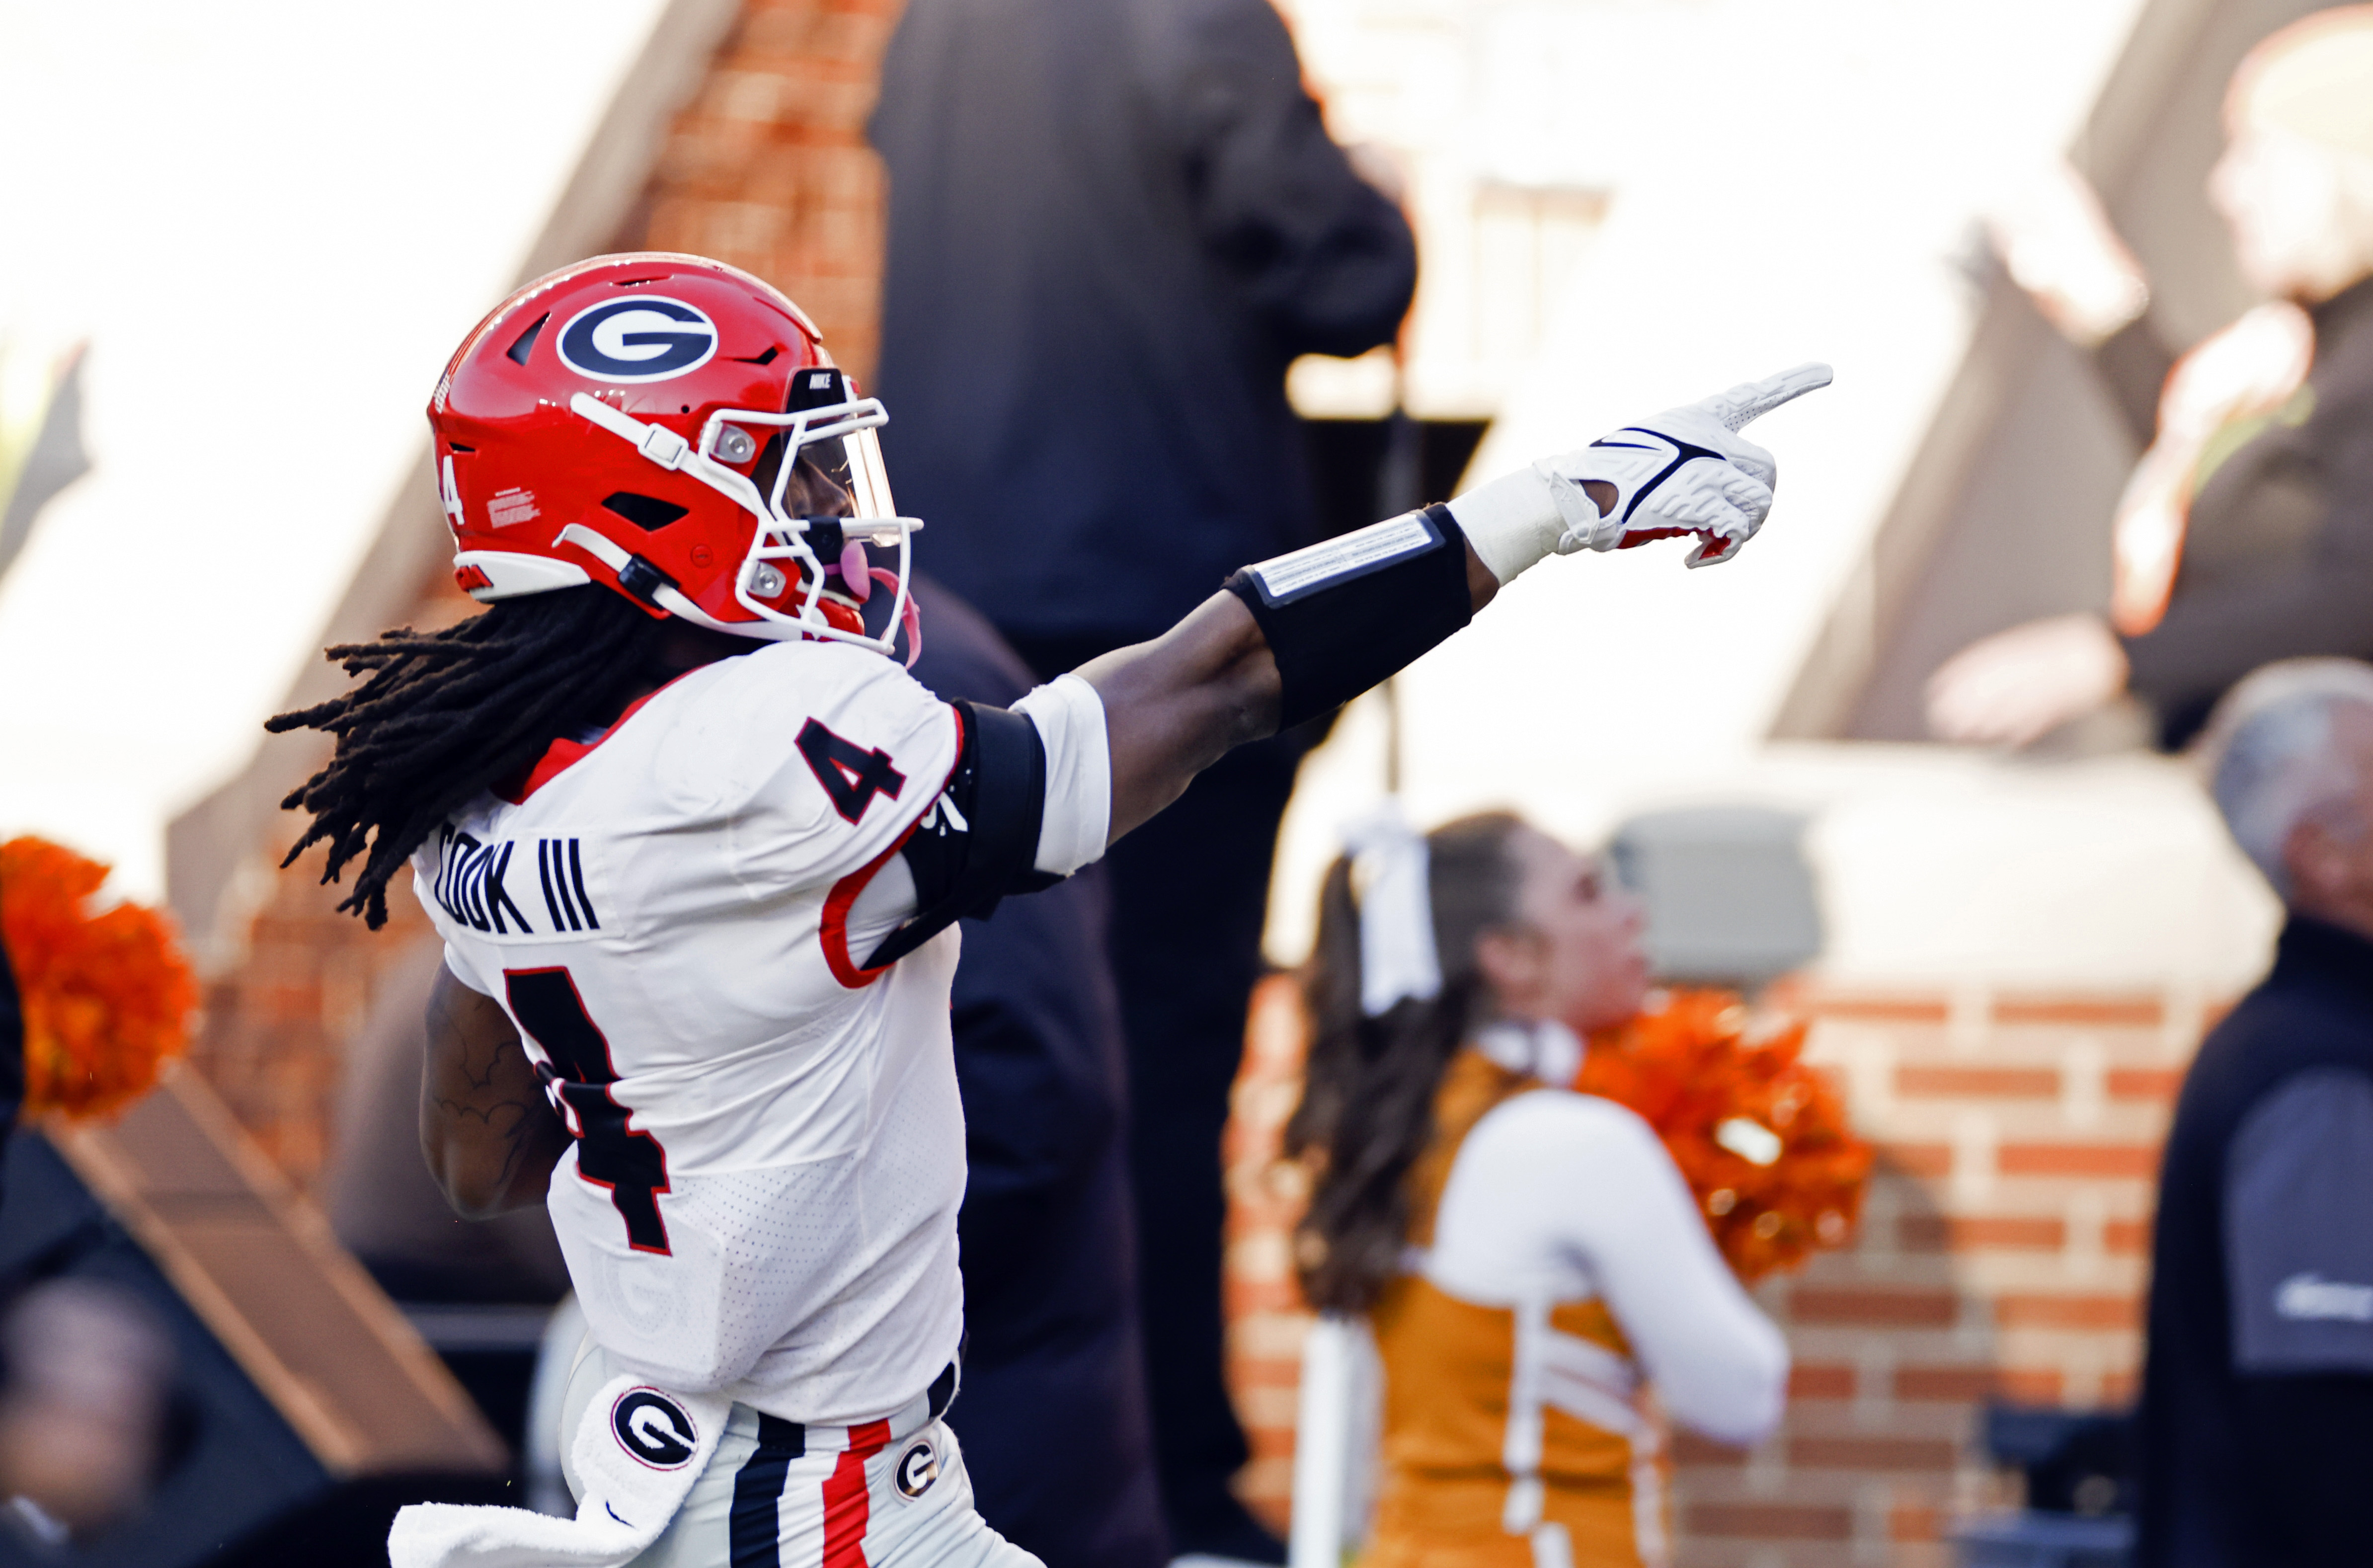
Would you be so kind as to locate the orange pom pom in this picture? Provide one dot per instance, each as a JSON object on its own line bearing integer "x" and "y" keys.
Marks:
{"x": 107, "y": 995}
{"x": 1761, "y": 1138}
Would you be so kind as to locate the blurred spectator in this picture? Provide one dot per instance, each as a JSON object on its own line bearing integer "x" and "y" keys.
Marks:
{"x": 1052, "y": 1416}
{"x": 2244, "y": 536}
{"x": 12, "y": 1053}
{"x": 2257, "y": 1429}
{"x": 88, "y": 1371}
{"x": 1489, "y": 1223}
{"x": 1113, "y": 224}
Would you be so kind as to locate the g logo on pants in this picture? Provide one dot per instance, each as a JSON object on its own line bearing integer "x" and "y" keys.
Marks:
{"x": 918, "y": 1467}
{"x": 653, "y": 1428}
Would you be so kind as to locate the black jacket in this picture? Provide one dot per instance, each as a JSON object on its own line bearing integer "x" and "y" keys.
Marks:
{"x": 2257, "y": 1418}
{"x": 12, "y": 1047}
{"x": 1113, "y": 223}
{"x": 1053, "y": 1414}
{"x": 2278, "y": 553}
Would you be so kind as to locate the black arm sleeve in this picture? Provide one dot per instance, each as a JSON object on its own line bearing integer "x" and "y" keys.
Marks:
{"x": 2310, "y": 1442}
{"x": 1329, "y": 262}
{"x": 1341, "y": 616}
{"x": 2132, "y": 364}
{"x": 12, "y": 1048}
{"x": 965, "y": 858}
{"x": 2298, "y": 1273}
{"x": 2301, "y": 603}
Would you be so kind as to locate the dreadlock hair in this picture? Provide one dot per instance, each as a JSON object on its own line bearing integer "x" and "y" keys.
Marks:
{"x": 449, "y": 714}
{"x": 1367, "y": 1093}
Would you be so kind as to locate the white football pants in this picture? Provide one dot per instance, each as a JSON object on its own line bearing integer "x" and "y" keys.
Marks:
{"x": 887, "y": 1494}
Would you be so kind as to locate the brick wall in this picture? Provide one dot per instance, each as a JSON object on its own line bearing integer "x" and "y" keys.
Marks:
{"x": 767, "y": 168}
{"x": 2004, "y": 1252}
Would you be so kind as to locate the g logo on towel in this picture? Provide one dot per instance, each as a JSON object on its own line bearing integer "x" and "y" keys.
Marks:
{"x": 653, "y": 1428}
{"x": 918, "y": 1467}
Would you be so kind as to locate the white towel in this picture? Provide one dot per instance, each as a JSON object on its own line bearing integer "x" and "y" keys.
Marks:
{"x": 635, "y": 1453}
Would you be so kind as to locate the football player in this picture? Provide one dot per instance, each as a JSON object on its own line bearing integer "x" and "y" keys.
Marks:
{"x": 696, "y": 843}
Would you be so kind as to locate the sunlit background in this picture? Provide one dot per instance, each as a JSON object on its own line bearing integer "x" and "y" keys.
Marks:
{"x": 237, "y": 244}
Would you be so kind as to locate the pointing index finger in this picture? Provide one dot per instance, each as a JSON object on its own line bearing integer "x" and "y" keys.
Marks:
{"x": 1752, "y": 400}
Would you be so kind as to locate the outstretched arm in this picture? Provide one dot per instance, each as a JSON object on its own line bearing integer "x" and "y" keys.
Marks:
{"x": 1041, "y": 790}
{"x": 489, "y": 1135}
{"x": 1176, "y": 705}
{"x": 1295, "y": 635}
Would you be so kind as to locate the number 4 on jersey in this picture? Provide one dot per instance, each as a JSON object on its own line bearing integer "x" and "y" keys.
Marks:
{"x": 610, "y": 1153}
{"x": 850, "y": 775}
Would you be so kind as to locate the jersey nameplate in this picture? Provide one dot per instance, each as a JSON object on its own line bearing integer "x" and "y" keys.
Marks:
{"x": 1354, "y": 554}
{"x": 516, "y": 887}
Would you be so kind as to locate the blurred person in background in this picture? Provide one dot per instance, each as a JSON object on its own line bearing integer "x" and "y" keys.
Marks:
{"x": 2246, "y": 534}
{"x": 2257, "y": 1413}
{"x": 12, "y": 1055}
{"x": 1112, "y": 227}
{"x": 1051, "y": 1341}
{"x": 1486, "y": 1219}
{"x": 82, "y": 1410}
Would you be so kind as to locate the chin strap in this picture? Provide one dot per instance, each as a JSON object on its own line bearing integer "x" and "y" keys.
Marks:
{"x": 656, "y": 442}
{"x": 646, "y": 582}
{"x": 654, "y": 587}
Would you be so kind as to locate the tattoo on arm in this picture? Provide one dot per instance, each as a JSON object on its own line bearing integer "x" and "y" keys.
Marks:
{"x": 490, "y": 1135}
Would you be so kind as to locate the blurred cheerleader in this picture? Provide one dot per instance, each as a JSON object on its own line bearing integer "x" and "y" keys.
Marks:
{"x": 1529, "y": 1258}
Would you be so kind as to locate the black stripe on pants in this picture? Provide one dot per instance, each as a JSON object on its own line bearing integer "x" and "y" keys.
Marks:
{"x": 754, "y": 1529}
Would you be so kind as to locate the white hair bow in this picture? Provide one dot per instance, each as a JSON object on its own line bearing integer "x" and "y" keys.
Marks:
{"x": 1389, "y": 878}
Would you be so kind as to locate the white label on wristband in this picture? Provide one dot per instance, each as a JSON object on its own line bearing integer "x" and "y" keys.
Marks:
{"x": 1356, "y": 553}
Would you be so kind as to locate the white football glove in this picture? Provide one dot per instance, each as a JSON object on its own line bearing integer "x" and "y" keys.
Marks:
{"x": 1685, "y": 471}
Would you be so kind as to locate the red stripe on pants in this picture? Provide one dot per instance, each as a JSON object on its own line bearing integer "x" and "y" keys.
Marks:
{"x": 844, "y": 1497}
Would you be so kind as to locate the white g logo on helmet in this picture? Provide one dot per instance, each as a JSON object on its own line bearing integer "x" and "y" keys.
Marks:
{"x": 639, "y": 338}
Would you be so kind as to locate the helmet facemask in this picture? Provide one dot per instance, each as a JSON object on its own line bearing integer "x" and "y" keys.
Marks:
{"x": 825, "y": 454}
{"x": 826, "y": 434}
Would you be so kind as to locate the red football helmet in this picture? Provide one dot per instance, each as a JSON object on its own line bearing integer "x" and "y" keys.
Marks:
{"x": 672, "y": 428}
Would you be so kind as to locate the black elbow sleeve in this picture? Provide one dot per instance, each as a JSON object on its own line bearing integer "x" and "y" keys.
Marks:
{"x": 1341, "y": 616}
{"x": 967, "y": 860}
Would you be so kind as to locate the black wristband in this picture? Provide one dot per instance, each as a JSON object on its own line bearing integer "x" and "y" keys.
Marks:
{"x": 1342, "y": 616}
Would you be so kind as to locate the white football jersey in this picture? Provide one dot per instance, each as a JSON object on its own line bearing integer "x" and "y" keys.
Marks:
{"x": 762, "y": 1193}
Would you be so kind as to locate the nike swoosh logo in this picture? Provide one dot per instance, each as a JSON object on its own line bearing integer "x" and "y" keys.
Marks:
{"x": 1688, "y": 454}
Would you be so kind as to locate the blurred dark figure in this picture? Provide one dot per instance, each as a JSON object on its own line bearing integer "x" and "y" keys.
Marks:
{"x": 1053, "y": 1413}
{"x": 2245, "y": 535}
{"x": 12, "y": 1051}
{"x": 2257, "y": 1415}
{"x": 88, "y": 1368}
{"x": 1113, "y": 224}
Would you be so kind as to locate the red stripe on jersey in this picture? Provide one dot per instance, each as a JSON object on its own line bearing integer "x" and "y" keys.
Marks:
{"x": 833, "y": 935}
{"x": 845, "y": 1511}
